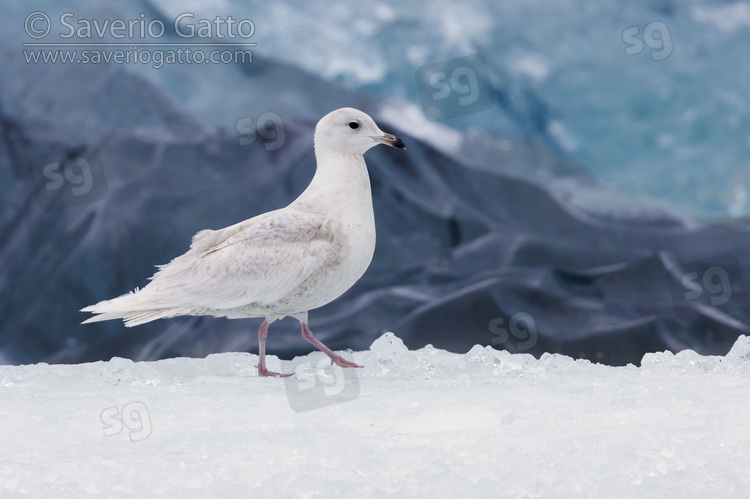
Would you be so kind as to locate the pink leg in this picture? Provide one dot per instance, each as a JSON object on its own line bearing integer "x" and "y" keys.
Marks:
{"x": 262, "y": 371}
{"x": 335, "y": 358}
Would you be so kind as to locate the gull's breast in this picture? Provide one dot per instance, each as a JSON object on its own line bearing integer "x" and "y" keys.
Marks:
{"x": 348, "y": 260}
{"x": 351, "y": 253}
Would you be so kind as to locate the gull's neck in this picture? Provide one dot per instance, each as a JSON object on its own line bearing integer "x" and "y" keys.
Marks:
{"x": 341, "y": 182}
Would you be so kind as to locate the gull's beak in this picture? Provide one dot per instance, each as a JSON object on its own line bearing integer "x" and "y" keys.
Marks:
{"x": 390, "y": 140}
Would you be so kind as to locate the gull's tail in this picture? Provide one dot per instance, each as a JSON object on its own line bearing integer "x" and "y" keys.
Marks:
{"x": 133, "y": 308}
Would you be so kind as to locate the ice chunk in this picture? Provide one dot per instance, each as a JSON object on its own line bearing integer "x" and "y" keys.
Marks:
{"x": 739, "y": 355}
{"x": 125, "y": 371}
{"x": 389, "y": 350}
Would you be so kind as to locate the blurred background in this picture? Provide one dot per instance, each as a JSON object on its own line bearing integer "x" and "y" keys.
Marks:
{"x": 575, "y": 180}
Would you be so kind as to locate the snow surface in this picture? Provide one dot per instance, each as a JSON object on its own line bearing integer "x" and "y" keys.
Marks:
{"x": 424, "y": 423}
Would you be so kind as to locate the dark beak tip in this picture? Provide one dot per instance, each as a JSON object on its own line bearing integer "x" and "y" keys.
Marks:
{"x": 391, "y": 140}
{"x": 399, "y": 144}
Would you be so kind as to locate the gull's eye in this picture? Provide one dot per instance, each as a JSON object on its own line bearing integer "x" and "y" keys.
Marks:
{"x": 353, "y": 125}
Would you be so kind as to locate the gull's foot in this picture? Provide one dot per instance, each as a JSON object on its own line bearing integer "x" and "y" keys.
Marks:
{"x": 266, "y": 373}
{"x": 342, "y": 362}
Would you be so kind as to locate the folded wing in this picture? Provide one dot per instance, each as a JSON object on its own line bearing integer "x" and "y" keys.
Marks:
{"x": 258, "y": 261}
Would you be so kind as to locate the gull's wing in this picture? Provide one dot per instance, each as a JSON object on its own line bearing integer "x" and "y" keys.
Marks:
{"x": 256, "y": 261}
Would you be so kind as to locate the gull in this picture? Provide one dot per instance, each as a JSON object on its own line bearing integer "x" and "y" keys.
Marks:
{"x": 282, "y": 263}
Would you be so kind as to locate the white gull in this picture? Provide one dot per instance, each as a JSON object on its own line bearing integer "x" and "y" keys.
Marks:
{"x": 281, "y": 263}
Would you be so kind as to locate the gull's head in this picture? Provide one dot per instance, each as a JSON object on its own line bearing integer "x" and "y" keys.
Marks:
{"x": 350, "y": 131}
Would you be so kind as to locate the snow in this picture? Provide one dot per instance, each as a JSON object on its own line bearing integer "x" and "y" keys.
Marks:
{"x": 424, "y": 423}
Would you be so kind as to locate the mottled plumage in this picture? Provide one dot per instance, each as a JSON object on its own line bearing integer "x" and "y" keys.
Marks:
{"x": 281, "y": 263}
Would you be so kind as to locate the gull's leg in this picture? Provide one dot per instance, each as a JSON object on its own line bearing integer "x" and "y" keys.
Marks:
{"x": 335, "y": 358}
{"x": 262, "y": 371}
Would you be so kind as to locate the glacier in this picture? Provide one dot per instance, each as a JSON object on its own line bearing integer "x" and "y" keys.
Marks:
{"x": 412, "y": 423}
{"x": 669, "y": 121}
{"x": 592, "y": 211}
